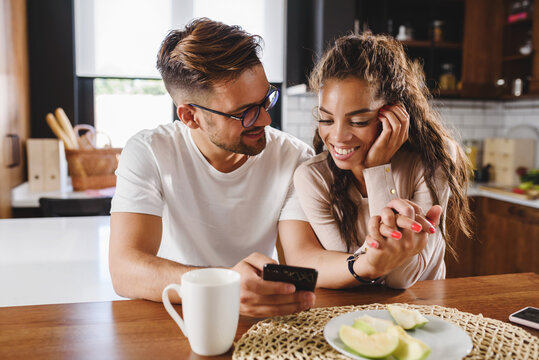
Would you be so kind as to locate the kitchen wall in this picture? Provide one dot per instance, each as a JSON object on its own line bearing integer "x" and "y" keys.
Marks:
{"x": 469, "y": 119}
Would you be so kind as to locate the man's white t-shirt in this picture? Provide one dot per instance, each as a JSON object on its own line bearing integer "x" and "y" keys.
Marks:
{"x": 210, "y": 218}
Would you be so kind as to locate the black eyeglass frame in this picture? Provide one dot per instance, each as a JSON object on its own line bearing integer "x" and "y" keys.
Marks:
{"x": 272, "y": 89}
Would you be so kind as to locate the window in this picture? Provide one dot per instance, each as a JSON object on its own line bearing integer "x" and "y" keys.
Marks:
{"x": 125, "y": 106}
{"x": 116, "y": 44}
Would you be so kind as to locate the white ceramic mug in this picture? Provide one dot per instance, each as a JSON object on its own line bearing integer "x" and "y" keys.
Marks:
{"x": 210, "y": 307}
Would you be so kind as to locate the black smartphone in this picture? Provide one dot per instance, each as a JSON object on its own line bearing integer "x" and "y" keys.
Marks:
{"x": 528, "y": 316}
{"x": 302, "y": 278}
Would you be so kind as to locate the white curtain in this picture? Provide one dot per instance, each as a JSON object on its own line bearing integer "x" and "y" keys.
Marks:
{"x": 120, "y": 38}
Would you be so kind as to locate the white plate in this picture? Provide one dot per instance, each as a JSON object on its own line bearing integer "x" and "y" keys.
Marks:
{"x": 446, "y": 340}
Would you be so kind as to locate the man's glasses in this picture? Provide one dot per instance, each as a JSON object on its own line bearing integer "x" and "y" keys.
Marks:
{"x": 249, "y": 116}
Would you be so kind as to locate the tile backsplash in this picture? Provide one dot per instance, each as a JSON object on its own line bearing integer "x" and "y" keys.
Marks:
{"x": 469, "y": 119}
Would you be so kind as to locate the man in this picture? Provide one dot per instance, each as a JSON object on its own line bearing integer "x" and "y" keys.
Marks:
{"x": 217, "y": 185}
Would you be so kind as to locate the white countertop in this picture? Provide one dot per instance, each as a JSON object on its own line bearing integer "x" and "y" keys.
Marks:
{"x": 55, "y": 260}
{"x": 475, "y": 191}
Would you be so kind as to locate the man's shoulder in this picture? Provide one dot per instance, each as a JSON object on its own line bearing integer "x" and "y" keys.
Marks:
{"x": 162, "y": 132}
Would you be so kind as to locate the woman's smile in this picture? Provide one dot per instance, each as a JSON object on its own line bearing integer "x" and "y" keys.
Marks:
{"x": 343, "y": 153}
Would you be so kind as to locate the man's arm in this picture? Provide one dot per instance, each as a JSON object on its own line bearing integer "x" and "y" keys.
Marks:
{"x": 135, "y": 269}
{"x": 137, "y": 272}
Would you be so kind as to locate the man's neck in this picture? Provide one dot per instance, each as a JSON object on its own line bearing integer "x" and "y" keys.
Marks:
{"x": 222, "y": 160}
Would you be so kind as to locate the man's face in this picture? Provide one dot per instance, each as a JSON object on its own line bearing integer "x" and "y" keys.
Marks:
{"x": 234, "y": 97}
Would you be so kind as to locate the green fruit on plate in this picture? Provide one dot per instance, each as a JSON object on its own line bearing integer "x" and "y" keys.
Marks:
{"x": 407, "y": 318}
{"x": 375, "y": 346}
{"x": 370, "y": 325}
{"x": 409, "y": 348}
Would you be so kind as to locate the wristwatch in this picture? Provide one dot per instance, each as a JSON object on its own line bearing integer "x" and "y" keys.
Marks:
{"x": 351, "y": 260}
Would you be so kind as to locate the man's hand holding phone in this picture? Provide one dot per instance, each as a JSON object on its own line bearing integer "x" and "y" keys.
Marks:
{"x": 302, "y": 278}
{"x": 262, "y": 298}
{"x": 395, "y": 124}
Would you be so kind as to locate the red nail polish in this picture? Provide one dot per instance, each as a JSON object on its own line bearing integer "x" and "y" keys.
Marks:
{"x": 374, "y": 244}
{"x": 416, "y": 227}
{"x": 432, "y": 230}
{"x": 397, "y": 235}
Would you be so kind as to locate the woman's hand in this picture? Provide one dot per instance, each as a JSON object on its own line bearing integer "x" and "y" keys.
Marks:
{"x": 395, "y": 124}
{"x": 401, "y": 231}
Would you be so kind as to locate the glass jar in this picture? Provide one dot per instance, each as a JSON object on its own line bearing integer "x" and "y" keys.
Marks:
{"x": 448, "y": 81}
{"x": 437, "y": 33}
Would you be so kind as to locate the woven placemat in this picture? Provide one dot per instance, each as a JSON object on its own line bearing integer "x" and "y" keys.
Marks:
{"x": 301, "y": 336}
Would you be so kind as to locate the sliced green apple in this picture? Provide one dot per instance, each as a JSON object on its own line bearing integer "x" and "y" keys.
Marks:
{"x": 375, "y": 346}
{"x": 409, "y": 348}
{"x": 407, "y": 318}
{"x": 371, "y": 325}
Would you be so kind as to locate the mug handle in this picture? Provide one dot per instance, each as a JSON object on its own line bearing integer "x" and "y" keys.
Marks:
{"x": 175, "y": 316}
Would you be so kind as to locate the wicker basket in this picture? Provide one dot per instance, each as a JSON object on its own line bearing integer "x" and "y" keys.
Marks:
{"x": 93, "y": 169}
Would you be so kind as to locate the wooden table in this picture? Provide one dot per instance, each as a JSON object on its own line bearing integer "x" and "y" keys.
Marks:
{"x": 140, "y": 329}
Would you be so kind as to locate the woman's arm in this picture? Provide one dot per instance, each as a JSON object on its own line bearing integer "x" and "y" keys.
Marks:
{"x": 302, "y": 248}
{"x": 323, "y": 248}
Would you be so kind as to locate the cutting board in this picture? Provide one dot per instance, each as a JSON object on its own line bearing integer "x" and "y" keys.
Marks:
{"x": 506, "y": 190}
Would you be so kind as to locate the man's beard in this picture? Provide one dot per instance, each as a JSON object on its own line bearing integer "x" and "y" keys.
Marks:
{"x": 240, "y": 147}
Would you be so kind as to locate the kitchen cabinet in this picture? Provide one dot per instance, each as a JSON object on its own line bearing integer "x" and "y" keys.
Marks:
{"x": 506, "y": 240}
{"x": 496, "y": 31}
{"x": 14, "y": 99}
{"x": 472, "y": 38}
{"x": 313, "y": 25}
{"x": 433, "y": 35}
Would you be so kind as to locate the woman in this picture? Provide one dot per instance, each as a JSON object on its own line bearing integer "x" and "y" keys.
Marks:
{"x": 383, "y": 174}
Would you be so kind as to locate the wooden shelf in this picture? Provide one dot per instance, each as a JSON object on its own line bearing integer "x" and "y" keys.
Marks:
{"x": 416, "y": 43}
{"x": 448, "y": 45}
{"x": 446, "y": 93}
{"x": 517, "y": 57}
{"x": 428, "y": 44}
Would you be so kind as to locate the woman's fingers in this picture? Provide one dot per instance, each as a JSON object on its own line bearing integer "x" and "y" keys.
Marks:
{"x": 434, "y": 214}
{"x": 374, "y": 239}
{"x": 403, "y": 207}
{"x": 408, "y": 215}
{"x": 388, "y": 217}
{"x": 393, "y": 120}
{"x": 399, "y": 120}
{"x": 418, "y": 225}
{"x": 390, "y": 232}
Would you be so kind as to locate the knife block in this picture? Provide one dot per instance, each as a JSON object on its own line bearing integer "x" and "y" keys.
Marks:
{"x": 47, "y": 166}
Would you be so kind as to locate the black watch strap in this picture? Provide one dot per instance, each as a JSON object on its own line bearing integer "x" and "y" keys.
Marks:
{"x": 351, "y": 260}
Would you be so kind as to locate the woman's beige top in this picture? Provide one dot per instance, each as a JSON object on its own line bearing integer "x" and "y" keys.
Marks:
{"x": 402, "y": 178}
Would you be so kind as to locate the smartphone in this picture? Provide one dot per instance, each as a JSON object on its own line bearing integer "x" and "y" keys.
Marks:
{"x": 302, "y": 278}
{"x": 528, "y": 316}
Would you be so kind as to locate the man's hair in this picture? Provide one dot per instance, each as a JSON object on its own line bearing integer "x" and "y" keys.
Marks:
{"x": 206, "y": 52}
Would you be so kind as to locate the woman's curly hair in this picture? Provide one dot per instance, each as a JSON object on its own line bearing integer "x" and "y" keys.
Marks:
{"x": 382, "y": 62}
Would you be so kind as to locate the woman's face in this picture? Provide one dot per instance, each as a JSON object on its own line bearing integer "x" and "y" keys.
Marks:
{"x": 348, "y": 121}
